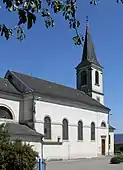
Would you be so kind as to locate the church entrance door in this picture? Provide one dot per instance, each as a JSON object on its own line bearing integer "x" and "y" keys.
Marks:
{"x": 103, "y": 146}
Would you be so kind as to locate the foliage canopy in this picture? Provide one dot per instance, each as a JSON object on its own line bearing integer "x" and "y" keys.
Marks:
{"x": 27, "y": 10}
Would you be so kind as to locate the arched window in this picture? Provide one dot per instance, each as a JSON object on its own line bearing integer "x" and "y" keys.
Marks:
{"x": 83, "y": 78}
{"x": 80, "y": 130}
{"x": 65, "y": 129}
{"x": 103, "y": 124}
{"x": 96, "y": 77}
{"x": 92, "y": 131}
{"x": 5, "y": 113}
{"x": 47, "y": 128}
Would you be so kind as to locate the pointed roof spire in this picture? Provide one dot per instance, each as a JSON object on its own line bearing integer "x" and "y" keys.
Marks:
{"x": 87, "y": 21}
{"x": 89, "y": 55}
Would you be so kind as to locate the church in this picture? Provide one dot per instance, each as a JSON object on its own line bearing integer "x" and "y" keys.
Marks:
{"x": 74, "y": 123}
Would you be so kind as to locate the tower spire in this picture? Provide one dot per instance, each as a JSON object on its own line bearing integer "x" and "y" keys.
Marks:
{"x": 87, "y": 25}
{"x": 89, "y": 55}
{"x": 89, "y": 71}
{"x": 86, "y": 21}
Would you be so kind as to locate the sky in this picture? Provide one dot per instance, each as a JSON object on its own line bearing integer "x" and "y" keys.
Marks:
{"x": 50, "y": 53}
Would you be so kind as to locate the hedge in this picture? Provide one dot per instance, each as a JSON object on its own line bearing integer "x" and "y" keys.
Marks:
{"x": 116, "y": 159}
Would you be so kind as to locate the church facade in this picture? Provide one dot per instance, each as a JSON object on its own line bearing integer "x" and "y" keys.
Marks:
{"x": 75, "y": 122}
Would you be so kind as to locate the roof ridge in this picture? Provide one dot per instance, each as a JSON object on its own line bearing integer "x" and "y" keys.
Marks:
{"x": 49, "y": 81}
{"x": 61, "y": 85}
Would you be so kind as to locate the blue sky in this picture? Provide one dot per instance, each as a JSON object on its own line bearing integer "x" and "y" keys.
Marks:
{"x": 50, "y": 54}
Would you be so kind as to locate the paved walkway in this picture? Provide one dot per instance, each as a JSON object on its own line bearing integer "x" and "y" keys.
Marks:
{"x": 84, "y": 164}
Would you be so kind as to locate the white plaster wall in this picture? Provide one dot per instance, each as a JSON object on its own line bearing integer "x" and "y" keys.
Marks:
{"x": 96, "y": 87}
{"x": 71, "y": 148}
{"x": 95, "y": 95}
{"x": 111, "y": 150}
{"x": 102, "y": 131}
{"x": 13, "y": 106}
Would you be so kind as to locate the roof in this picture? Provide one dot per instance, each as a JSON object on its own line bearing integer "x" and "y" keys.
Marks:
{"x": 47, "y": 88}
{"x": 22, "y": 132}
{"x": 118, "y": 138}
{"x": 89, "y": 55}
{"x": 6, "y": 86}
{"x": 111, "y": 128}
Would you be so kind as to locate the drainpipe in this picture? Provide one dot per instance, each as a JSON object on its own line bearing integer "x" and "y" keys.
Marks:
{"x": 97, "y": 134}
{"x": 42, "y": 163}
{"x": 108, "y": 134}
{"x": 109, "y": 114}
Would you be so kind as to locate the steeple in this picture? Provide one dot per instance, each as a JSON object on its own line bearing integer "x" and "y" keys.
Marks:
{"x": 89, "y": 72}
{"x": 89, "y": 55}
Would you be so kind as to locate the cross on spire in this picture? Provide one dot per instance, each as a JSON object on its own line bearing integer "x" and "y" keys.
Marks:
{"x": 86, "y": 20}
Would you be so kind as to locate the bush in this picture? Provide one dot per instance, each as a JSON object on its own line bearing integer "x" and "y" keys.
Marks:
{"x": 115, "y": 160}
{"x": 120, "y": 157}
{"x": 15, "y": 155}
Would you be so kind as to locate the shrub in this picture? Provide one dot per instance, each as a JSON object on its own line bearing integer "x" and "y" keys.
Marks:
{"x": 115, "y": 160}
{"x": 121, "y": 148}
{"x": 120, "y": 157}
{"x": 15, "y": 155}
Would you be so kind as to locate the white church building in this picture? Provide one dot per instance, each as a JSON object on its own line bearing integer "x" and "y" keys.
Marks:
{"x": 74, "y": 122}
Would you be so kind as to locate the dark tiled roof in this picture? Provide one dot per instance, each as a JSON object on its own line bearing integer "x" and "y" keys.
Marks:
{"x": 22, "y": 132}
{"x": 6, "y": 86}
{"x": 118, "y": 138}
{"x": 60, "y": 91}
{"x": 111, "y": 128}
{"x": 89, "y": 56}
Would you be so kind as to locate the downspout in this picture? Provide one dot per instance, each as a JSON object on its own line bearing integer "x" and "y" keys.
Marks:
{"x": 108, "y": 133}
{"x": 97, "y": 134}
{"x": 109, "y": 114}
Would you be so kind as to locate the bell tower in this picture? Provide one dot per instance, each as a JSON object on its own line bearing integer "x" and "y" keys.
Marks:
{"x": 89, "y": 72}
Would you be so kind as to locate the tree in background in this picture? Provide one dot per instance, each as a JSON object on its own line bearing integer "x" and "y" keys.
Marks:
{"x": 27, "y": 10}
{"x": 15, "y": 155}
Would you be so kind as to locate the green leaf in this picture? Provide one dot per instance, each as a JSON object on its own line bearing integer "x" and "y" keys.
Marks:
{"x": 20, "y": 33}
{"x": 45, "y": 13}
{"x": 78, "y": 23}
{"x": 8, "y": 3}
{"x": 66, "y": 16}
{"x": 53, "y": 23}
{"x": 77, "y": 40}
{"x": 10, "y": 9}
{"x": 5, "y": 31}
{"x": 74, "y": 24}
{"x": 31, "y": 19}
{"x": 22, "y": 17}
{"x": 47, "y": 23}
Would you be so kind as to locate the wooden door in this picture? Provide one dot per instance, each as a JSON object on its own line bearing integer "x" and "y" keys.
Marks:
{"x": 103, "y": 146}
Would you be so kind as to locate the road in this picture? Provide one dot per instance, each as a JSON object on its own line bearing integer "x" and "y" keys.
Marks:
{"x": 84, "y": 164}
